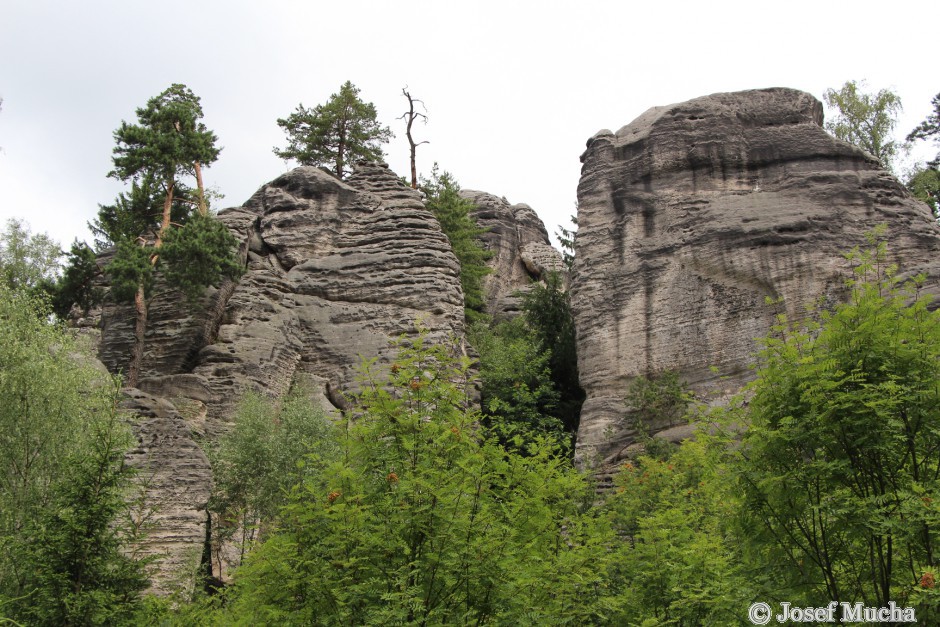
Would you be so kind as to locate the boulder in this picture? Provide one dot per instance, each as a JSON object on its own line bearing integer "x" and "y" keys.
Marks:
{"x": 693, "y": 216}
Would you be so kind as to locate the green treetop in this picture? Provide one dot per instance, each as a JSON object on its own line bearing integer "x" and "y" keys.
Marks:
{"x": 453, "y": 212}
{"x": 27, "y": 260}
{"x": 334, "y": 134}
{"x": 924, "y": 182}
{"x": 865, "y": 120}
{"x": 169, "y": 141}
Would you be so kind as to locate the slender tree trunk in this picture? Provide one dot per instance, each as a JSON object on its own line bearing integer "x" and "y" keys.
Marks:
{"x": 140, "y": 299}
{"x": 410, "y": 116}
{"x": 340, "y": 150}
{"x": 411, "y": 141}
{"x": 167, "y": 210}
{"x": 203, "y": 208}
{"x": 140, "y": 328}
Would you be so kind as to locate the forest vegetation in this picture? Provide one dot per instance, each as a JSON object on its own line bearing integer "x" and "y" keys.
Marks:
{"x": 449, "y": 495}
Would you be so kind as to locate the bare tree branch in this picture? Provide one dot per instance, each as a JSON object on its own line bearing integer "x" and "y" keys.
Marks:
{"x": 410, "y": 116}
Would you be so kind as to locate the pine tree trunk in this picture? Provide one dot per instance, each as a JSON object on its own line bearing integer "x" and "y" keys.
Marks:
{"x": 339, "y": 160}
{"x": 203, "y": 209}
{"x": 167, "y": 210}
{"x": 341, "y": 150}
{"x": 140, "y": 328}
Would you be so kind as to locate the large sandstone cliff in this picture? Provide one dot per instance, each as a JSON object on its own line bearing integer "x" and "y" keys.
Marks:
{"x": 691, "y": 217}
{"x": 335, "y": 271}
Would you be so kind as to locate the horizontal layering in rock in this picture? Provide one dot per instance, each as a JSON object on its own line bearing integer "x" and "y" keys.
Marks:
{"x": 521, "y": 250}
{"x": 691, "y": 217}
{"x": 336, "y": 271}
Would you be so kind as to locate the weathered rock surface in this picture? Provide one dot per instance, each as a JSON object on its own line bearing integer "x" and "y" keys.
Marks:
{"x": 522, "y": 251}
{"x": 175, "y": 478}
{"x": 695, "y": 213}
{"x": 335, "y": 272}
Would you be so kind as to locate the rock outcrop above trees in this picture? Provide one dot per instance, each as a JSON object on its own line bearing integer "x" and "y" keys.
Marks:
{"x": 336, "y": 271}
{"x": 522, "y": 251}
{"x": 695, "y": 214}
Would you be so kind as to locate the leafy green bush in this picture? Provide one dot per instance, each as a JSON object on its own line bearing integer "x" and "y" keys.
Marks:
{"x": 517, "y": 395}
{"x": 657, "y": 402}
{"x": 422, "y": 520}
{"x": 547, "y": 311}
{"x": 63, "y": 481}
{"x": 269, "y": 450}
{"x": 679, "y": 562}
{"x": 839, "y": 464}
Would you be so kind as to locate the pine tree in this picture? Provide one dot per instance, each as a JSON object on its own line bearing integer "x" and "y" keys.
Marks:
{"x": 334, "y": 134}
{"x": 930, "y": 129}
{"x": 169, "y": 141}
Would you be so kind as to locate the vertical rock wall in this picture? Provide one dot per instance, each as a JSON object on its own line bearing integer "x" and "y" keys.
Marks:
{"x": 691, "y": 217}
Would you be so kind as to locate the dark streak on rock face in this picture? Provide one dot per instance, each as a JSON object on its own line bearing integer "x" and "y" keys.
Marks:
{"x": 694, "y": 213}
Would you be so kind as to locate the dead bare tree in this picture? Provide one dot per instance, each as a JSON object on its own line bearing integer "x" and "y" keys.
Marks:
{"x": 409, "y": 116}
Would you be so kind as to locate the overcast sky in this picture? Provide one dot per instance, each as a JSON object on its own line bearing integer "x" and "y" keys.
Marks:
{"x": 513, "y": 89}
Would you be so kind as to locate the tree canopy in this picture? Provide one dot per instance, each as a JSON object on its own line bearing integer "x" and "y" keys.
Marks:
{"x": 452, "y": 211}
{"x": 27, "y": 260}
{"x": 334, "y": 134}
{"x": 839, "y": 465}
{"x": 169, "y": 141}
{"x": 865, "y": 120}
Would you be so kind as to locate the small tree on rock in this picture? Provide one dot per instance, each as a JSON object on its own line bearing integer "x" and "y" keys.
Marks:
{"x": 169, "y": 141}
{"x": 410, "y": 116}
{"x": 334, "y": 134}
{"x": 924, "y": 182}
{"x": 453, "y": 212}
{"x": 865, "y": 120}
{"x": 929, "y": 129}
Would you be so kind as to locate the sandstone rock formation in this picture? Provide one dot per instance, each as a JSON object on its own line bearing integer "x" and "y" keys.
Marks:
{"x": 695, "y": 213}
{"x": 335, "y": 272}
{"x": 522, "y": 251}
{"x": 176, "y": 480}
